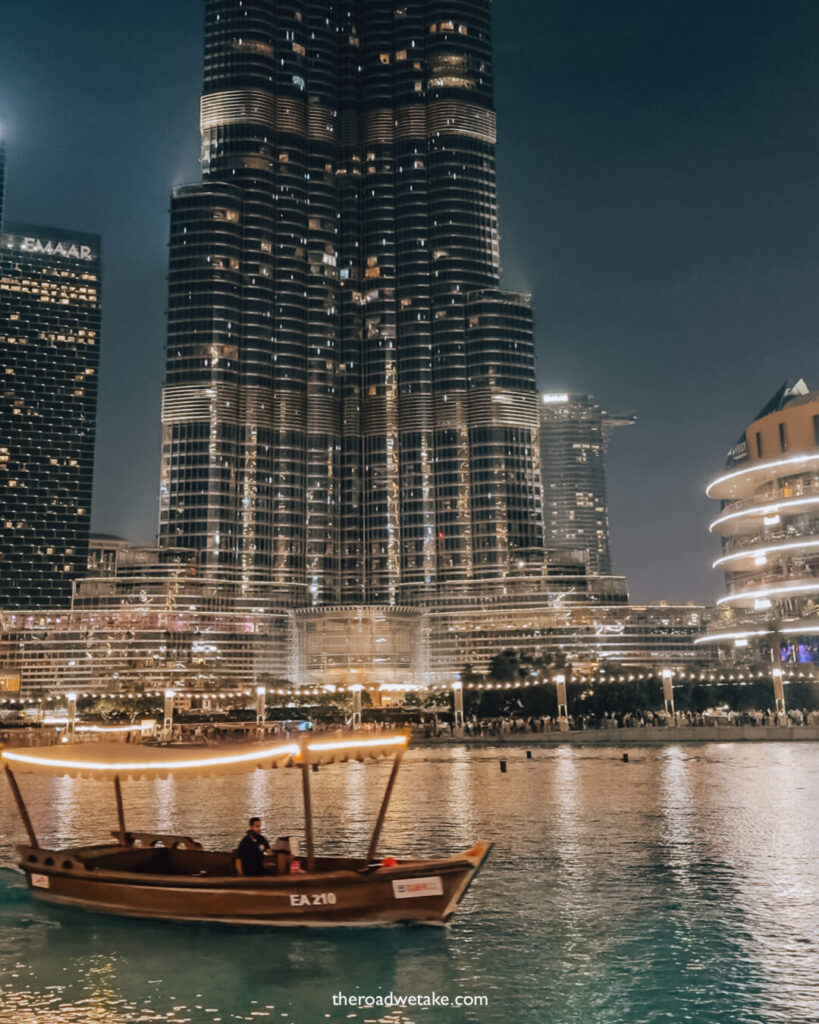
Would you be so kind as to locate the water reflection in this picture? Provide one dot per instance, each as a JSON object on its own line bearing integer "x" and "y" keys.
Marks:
{"x": 679, "y": 886}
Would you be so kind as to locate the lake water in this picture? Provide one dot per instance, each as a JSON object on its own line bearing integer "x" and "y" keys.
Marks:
{"x": 681, "y": 887}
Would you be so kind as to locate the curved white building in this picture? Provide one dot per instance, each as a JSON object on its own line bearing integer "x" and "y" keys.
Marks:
{"x": 769, "y": 526}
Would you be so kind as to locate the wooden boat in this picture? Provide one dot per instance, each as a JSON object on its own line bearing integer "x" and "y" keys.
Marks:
{"x": 172, "y": 878}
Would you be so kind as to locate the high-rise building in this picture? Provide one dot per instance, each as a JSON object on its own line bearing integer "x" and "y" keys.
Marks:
{"x": 574, "y": 436}
{"x": 349, "y": 407}
{"x": 50, "y": 318}
{"x": 769, "y": 526}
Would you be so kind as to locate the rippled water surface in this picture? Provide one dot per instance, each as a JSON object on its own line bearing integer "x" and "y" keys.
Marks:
{"x": 682, "y": 887}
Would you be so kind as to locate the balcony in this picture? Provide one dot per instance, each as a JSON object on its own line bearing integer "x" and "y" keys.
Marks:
{"x": 744, "y": 553}
{"x": 765, "y": 591}
{"x": 751, "y": 515}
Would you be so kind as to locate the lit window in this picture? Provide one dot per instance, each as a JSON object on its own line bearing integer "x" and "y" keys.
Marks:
{"x": 451, "y": 82}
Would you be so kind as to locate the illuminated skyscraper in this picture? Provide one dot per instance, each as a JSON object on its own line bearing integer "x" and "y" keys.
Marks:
{"x": 349, "y": 406}
{"x": 49, "y": 340}
{"x": 574, "y": 435}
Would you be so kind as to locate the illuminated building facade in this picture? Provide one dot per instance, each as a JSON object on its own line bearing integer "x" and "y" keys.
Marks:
{"x": 574, "y": 436}
{"x": 769, "y": 526}
{"x": 567, "y": 611}
{"x": 50, "y": 318}
{"x": 382, "y": 645}
{"x": 349, "y": 406}
{"x": 588, "y": 634}
{"x": 159, "y": 622}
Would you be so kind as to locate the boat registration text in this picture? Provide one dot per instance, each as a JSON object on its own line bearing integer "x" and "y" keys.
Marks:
{"x": 316, "y": 899}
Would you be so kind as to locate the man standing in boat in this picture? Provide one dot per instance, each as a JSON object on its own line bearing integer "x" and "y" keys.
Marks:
{"x": 253, "y": 847}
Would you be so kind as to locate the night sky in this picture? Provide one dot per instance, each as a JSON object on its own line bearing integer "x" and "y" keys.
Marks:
{"x": 657, "y": 173}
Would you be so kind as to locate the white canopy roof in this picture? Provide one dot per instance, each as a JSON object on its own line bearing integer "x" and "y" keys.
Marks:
{"x": 108, "y": 760}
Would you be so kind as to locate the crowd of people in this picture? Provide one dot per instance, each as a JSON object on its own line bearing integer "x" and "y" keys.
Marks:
{"x": 503, "y": 725}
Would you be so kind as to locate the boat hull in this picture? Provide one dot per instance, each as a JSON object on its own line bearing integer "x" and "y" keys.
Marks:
{"x": 423, "y": 892}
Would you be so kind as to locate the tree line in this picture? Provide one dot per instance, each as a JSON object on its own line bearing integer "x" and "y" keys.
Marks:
{"x": 533, "y": 693}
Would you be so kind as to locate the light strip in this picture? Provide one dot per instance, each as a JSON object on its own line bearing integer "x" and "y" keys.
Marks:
{"x": 115, "y": 728}
{"x": 788, "y": 588}
{"x": 761, "y": 466}
{"x": 751, "y": 552}
{"x": 392, "y": 741}
{"x": 147, "y": 766}
{"x": 788, "y": 503}
{"x": 84, "y": 727}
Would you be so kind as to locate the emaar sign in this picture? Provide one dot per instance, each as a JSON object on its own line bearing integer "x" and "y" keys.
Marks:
{"x": 70, "y": 250}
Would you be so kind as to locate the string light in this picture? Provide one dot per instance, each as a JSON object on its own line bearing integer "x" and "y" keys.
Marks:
{"x": 326, "y": 691}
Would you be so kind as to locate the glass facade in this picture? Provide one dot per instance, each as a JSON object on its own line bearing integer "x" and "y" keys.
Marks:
{"x": 159, "y": 622}
{"x": 50, "y": 318}
{"x": 585, "y": 627}
{"x": 365, "y": 645}
{"x": 349, "y": 406}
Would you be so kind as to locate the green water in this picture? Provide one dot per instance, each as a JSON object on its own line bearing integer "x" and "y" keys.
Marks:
{"x": 681, "y": 887}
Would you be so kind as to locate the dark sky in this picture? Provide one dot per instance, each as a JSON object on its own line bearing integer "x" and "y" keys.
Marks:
{"x": 658, "y": 167}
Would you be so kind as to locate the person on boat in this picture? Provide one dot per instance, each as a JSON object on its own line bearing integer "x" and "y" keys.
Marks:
{"x": 251, "y": 851}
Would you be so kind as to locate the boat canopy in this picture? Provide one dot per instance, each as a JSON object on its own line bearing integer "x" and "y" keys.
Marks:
{"x": 124, "y": 761}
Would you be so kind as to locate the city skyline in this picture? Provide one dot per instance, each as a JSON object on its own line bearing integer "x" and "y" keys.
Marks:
{"x": 759, "y": 301}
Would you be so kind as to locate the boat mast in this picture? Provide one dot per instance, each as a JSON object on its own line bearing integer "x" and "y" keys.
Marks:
{"x": 308, "y": 817}
{"x": 21, "y": 807}
{"x": 384, "y": 804}
{"x": 123, "y": 837}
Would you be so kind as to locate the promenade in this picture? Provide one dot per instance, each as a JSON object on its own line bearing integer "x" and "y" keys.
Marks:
{"x": 642, "y": 736}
